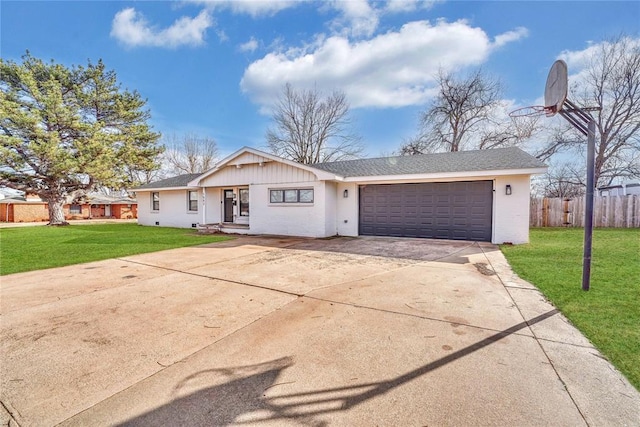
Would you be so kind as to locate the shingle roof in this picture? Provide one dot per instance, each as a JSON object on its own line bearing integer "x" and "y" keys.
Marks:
{"x": 462, "y": 161}
{"x": 106, "y": 200}
{"x": 17, "y": 199}
{"x": 174, "y": 181}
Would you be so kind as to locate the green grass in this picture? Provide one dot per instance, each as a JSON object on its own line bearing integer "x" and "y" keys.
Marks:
{"x": 35, "y": 248}
{"x": 609, "y": 313}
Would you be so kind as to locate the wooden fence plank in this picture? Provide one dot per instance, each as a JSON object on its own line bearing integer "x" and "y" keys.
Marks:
{"x": 609, "y": 211}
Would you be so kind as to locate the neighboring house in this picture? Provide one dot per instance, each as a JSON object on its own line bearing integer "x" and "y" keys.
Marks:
{"x": 471, "y": 195}
{"x": 23, "y": 209}
{"x": 112, "y": 207}
{"x": 33, "y": 209}
{"x": 626, "y": 189}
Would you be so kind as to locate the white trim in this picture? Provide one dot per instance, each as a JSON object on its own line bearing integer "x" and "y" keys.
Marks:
{"x": 189, "y": 210}
{"x": 204, "y": 205}
{"x": 240, "y": 202}
{"x": 153, "y": 201}
{"x": 142, "y": 190}
{"x": 283, "y": 189}
{"x": 456, "y": 176}
{"x": 494, "y": 207}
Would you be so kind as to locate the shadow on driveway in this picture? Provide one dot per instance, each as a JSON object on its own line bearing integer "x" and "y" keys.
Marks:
{"x": 243, "y": 399}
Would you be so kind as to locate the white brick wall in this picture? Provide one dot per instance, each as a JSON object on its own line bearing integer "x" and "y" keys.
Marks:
{"x": 173, "y": 209}
{"x": 300, "y": 219}
{"x": 330, "y": 214}
{"x": 347, "y": 209}
{"x": 511, "y": 213}
{"x": 330, "y": 209}
{"x": 213, "y": 203}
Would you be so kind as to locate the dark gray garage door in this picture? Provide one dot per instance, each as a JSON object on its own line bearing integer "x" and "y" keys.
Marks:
{"x": 438, "y": 210}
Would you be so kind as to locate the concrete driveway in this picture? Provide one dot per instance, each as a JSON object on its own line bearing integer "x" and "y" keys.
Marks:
{"x": 283, "y": 331}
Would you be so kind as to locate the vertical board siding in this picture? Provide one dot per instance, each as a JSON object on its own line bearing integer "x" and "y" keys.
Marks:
{"x": 268, "y": 173}
{"x": 609, "y": 211}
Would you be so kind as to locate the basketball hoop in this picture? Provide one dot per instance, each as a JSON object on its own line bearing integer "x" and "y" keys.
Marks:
{"x": 555, "y": 94}
{"x": 555, "y": 90}
{"x": 533, "y": 111}
{"x": 556, "y": 102}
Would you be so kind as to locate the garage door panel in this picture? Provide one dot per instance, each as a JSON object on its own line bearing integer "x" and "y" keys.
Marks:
{"x": 453, "y": 210}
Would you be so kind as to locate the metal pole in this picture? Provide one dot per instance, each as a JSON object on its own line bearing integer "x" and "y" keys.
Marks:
{"x": 588, "y": 214}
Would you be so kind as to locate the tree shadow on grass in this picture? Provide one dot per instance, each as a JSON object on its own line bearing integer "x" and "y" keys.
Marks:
{"x": 243, "y": 397}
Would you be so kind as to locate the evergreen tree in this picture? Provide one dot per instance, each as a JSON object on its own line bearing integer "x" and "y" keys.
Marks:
{"x": 65, "y": 131}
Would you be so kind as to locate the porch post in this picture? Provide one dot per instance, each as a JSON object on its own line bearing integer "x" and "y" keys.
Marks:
{"x": 204, "y": 205}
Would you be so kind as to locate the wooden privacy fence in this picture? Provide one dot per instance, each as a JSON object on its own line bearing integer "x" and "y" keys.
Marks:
{"x": 609, "y": 211}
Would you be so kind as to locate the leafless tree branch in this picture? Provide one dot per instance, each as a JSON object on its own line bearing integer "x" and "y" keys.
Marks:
{"x": 309, "y": 128}
{"x": 463, "y": 116}
{"x": 189, "y": 153}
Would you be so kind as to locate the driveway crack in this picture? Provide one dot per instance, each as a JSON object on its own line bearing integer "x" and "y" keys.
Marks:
{"x": 539, "y": 342}
{"x": 206, "y": 276}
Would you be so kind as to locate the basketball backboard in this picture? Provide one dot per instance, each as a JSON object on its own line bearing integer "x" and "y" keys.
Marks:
{"x": 555, "y": 91}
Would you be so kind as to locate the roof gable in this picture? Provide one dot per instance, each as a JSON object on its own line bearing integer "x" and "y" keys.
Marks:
{"x": 247, "y": 155}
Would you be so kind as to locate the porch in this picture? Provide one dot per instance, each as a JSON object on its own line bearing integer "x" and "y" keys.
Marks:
{"x": 223, "y": 227}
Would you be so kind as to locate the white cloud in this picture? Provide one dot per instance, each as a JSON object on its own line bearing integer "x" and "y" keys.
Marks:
{"x": 357, "y": 18}
{"x": 132, "y": 29}
{"x": 249, "y": 46}
{"x": 510, "y": 36}
{"x": 394, "y": 69}
{"x": 254, "y": 8}
{"x": 578, "y": 60}
{"x": 222, "y": 35}
{"x": 395, "y": 6}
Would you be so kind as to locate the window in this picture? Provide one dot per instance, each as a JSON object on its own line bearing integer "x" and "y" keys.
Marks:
{"x": 244, "y": 201}
{"x": 305, "y": 196}
{"x": 291, "y": 196}
{"x": 155, "y": 201}
{"x": 277, "y": 196}
{"x": 75, "y": 209}
{"x": 192, "y": 200}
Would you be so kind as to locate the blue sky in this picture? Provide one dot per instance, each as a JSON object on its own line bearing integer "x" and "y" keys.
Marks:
{"x": 213, "y": 68}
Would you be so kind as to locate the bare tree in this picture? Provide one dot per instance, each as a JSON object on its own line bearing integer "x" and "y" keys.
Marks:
{"x": 413, "y": 146}
{"x": 311, "y": 128}
{"x": 147, "y": 175}
{"x": 562, "y": 180}
{"x": 610, "y": 81}
{"x": 189, "y": 154}
{"x": 466, "y": 115}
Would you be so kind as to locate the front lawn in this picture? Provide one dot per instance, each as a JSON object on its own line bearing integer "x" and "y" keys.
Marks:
{"x": 609, "y": 313}
{"x": 35, "y": 248}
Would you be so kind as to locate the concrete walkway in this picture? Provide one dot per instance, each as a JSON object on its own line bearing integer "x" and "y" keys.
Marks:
{"x": 282, "y": 331}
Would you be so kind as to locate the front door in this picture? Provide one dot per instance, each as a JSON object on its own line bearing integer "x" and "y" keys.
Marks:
{"x": 228, "y": 205}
